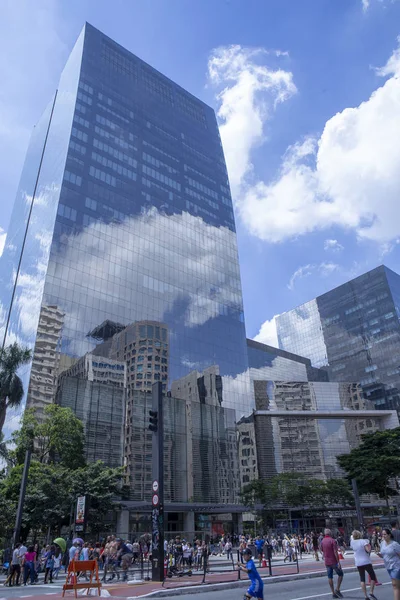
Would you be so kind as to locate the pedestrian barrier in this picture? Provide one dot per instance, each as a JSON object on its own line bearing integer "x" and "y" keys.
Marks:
{"x": 201, "y": 572}
{"x": 77, "y": 568}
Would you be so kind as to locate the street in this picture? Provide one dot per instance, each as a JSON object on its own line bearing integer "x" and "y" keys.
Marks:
{"x": 305, "y": 589}
{"x": 309, "y": 589}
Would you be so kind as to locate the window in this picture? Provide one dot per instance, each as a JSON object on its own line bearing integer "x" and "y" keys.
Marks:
{"x": 79, "y": 134}
{"x": 163, "y": 152}
{"x": 201, "y": 187}
{"x": 115, "y": 138}
{"x": 84, "y": 98}
{"x": 81, "y": 121}
{"x": 142, "y": 331}
{"x": 102, "y": 176}
{"x": 85, "y": 87}
{"x": 77, "y": 147}
{"x": 157, "y": 163}
{"x": 370, "y": 368}
{"x": 89, "y": 203}
{"x": 67, "y": 212}
{"x": 160, "y": 177}
{"x": 106, "y": 162}
{"x": 116, "y": 153}
{"x": 191, "y": 170}
{"x": 72, "y": 178}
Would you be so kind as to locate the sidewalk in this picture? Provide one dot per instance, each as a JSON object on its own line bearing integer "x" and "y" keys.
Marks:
{"x": 191, "y": 585}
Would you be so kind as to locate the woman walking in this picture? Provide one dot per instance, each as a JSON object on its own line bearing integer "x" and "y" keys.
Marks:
{"x": 362, "y": 550}
{"x": 390, "y": 552}
{"x": 29, "y": 565}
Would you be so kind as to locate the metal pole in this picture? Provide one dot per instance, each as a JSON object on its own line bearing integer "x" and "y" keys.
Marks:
{"x": 157, "y": 515}
{"x": 358, "y": 505}
{"x": 21, "y": 499}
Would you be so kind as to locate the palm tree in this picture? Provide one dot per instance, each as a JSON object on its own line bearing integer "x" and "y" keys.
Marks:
{"x": 11, "y": 386}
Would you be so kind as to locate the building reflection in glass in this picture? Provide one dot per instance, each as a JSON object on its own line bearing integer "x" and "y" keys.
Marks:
{"x": 353, "y": 330}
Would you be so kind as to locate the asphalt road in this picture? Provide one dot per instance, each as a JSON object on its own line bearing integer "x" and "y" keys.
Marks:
{"x": 308, "y": 589}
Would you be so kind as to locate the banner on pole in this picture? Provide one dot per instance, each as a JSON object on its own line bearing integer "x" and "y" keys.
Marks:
{"x": 80, "y": 510}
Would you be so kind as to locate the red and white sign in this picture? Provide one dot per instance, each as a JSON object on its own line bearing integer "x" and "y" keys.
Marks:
{"x": 155, "y": 486}
{"x": 155, "y": 499}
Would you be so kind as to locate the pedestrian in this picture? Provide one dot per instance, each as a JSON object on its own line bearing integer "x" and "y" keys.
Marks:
{"x": 390, "y": 552}
{"x": 29, "y": 565}
{"x": 259, "y": 544}
{"x": 228, "y": 549}
{"x": 329, "y": 549}
{"x": 256, "y": 589}
{"x": 315, "y": 545}
{"x": 395, "y": 532}
{"x": 49, "y": 565}
{"x": 15, "y": 572}
{"x": 362, "y": 550}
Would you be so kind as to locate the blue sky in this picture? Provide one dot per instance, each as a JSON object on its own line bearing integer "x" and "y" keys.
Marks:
{"x": 308, "y": 97}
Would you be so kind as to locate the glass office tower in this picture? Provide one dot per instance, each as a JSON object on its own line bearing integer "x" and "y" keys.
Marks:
{"x": 124, "y": 216}
{"x": 355, "y": 331}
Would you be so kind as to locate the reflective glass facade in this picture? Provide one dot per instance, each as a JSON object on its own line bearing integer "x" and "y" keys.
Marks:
{"x": 354, "y": 330}
{"x": 125, "y": 209}
{"x": 305, "y": 443}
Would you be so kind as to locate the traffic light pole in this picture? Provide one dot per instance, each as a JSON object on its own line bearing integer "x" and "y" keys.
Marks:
{"x": 157, "y": 495}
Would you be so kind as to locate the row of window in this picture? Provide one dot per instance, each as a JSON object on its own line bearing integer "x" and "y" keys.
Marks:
{"x": 80, "y": 135}
{"x": 158, "y": 163}
{"x": 84, "y": 98}
{"x": 201, "y": 187}
{"x": 81, "y": 107}
{"x": 194, "y": 208}
{"x": 102, "y": 176}
{"x": 163, "y": 132}
{"x": 72, "y": 178}
{"x": 160, "y": 151}
{"x": 122, "y": 110}
{"x": 106, "y": 162}
{"x": 117, "y": 140}
{"x": 77, "y": 147}
{"x": 66, "y": 212}
{"x": 85, "y": 87}
{"x": 116, "y": 114}
{"x": 194, "y": 194}
{"x": 80, "y": 121}
{"x": 191, "y": 170}
{"x": 118, "y": 62}
{"x": 116, "y": 153}
{"x": 160, "y": 177}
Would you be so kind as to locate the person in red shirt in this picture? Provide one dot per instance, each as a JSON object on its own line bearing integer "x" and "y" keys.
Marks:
{"x": 329, "y": 549}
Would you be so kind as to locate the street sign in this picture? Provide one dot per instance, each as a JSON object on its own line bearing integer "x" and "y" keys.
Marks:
{"x": 155, "y": 500}
{"x": 155, "y": 486}
{"x": 78, "y": 527}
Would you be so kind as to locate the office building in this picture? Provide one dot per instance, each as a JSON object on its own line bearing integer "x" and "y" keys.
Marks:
{"x": 302, "y": 421}
{"x": 46, "y": 360}
{"x": 123, "y": 219}
{"x": 354, "y": 332}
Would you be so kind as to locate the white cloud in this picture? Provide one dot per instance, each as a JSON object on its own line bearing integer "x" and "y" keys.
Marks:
{"x": 324, "y": 269}
{"x": 333, "y": 245}
{"x": 268, "y": 334}
{"x": 348, "y": 177}
{"x": 365, "y": 5}
{"x": 3, "y": 236}
{"x": 250, "y": 91}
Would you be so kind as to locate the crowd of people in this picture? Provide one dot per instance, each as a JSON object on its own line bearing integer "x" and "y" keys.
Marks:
{"x": 115, "y": 556}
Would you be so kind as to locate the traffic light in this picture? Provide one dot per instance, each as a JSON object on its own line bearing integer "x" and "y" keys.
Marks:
{"x": 153, "y": 420}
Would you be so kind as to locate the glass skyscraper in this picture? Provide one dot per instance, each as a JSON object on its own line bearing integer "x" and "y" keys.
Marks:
{"x": 354, "y": 331}
{"x": 123, "y": 222}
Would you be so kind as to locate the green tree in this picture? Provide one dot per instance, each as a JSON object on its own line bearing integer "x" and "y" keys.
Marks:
{"x": 375, "y": 463}
{"x": 59, "y": 438}
{"x": 11, "y": 388}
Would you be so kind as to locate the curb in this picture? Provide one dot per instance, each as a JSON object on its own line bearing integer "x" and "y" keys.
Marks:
{"x": 214, "y": 587}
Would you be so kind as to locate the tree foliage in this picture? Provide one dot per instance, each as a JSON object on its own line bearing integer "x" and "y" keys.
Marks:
{"x": 293, "y": 490}
{"x": 57, "y": 475}
{"x": 58, "y": 438}
{"x": 375, "y": 463}
{"x": 11, "y": 388}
